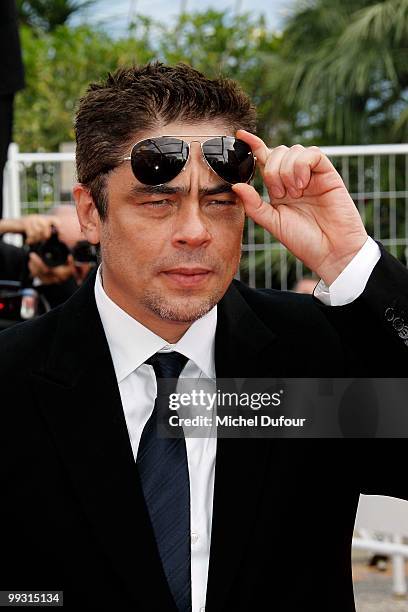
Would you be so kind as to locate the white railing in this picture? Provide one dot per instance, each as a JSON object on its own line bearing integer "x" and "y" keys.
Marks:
{"x": 15, "y": 173}
{"x": 377, "y": 179}
{"x": 385, "y": 517}
{"x": 376, "y": 176}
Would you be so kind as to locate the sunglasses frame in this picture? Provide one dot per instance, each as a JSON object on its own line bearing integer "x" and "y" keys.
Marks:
{"x": 207, "y": 138}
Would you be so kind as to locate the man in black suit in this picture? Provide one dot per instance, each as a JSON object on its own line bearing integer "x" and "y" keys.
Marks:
{"x": 85, "y": 509}
{"x": 11, "y": 79}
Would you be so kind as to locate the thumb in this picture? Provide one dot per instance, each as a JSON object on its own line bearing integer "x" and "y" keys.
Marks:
{"x": 255, "y": 207}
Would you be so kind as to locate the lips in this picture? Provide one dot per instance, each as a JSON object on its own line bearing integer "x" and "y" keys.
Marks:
{"x": 187, "y": 277}
{"x": 188, "y": 271}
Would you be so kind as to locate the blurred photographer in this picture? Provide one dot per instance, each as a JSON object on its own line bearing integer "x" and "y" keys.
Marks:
{"x": 54, "y": 260}
{"x": 73, "y": 268}
{"x": 36, "y": 228}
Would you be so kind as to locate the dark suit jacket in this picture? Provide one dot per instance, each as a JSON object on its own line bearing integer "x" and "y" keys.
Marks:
{"x": 11, "y": 65}
{"x": 13, "y": 262}
{"x": 73, "y": 516}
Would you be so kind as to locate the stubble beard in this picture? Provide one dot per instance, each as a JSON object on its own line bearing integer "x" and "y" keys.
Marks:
{"x": 184, "y": 310}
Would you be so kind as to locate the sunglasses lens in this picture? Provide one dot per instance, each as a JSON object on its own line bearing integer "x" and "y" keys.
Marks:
{"x": 231, "y": 158}
{"x": 158, "y": 160}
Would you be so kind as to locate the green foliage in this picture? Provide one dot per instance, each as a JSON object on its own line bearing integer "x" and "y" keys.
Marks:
{"x": 348, "y": 69}
{"x": 59, "y": 66}
{"x": 49, "y": 14}
{"x": 336, "y": 74}
{"x": 235, "y": 45}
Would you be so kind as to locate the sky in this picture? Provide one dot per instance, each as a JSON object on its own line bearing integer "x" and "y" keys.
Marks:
{"x": 115, "y": 16}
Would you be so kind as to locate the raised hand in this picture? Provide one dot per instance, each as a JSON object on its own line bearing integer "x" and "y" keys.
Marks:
{"x": 310, "y": 209}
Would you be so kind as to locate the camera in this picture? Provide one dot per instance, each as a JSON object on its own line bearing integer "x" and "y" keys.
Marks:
{"x": 53, "y": 252}
{"x": 85, "y": 252}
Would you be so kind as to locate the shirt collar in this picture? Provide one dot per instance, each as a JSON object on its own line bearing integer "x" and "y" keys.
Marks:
{"x": 131, "y": 343}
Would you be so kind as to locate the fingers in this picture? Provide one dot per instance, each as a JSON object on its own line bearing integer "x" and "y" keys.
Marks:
{"x": 272, "y": 172}
{"x": 259, "y": 148}
{"x": 49, "y": 275}
{"x": 287, "y": 171}
{"x": 269, "y": 162}
{"x": 38, "y": 227}
{"x": 262, "y": 213}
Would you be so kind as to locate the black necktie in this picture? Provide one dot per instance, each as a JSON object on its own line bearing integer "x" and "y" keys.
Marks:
{"x": 163, "y": 470}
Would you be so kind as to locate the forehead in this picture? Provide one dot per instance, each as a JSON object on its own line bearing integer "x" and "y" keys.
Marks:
{"x": 189, "y": 131}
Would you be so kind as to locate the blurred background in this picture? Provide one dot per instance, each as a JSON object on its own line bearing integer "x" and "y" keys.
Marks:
{"x": 332, "y": 73}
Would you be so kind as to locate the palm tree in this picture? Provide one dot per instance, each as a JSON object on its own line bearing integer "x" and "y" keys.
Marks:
{"x": 342, "y": 66}
{"x": 48, "y": 14}
{"x": 349, "y": 67}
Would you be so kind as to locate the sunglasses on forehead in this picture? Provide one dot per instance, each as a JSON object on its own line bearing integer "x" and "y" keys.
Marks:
{"x": 158, "y": 160}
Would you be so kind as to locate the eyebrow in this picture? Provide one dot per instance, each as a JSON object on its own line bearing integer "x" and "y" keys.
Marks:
{"x": 167, "y": 190}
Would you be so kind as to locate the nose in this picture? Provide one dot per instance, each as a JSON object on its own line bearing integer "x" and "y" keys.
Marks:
{"x": 190, "y": 227}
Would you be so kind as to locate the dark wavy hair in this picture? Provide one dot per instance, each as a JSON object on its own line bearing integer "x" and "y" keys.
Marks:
{"x": 131, "y": 100}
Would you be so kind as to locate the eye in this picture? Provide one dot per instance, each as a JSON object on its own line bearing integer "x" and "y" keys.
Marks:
{"x": 226, "y": 202}
{"x": 157, "y": 203}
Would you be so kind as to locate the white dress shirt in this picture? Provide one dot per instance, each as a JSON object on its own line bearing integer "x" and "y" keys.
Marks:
{"x": 352, "y": 281}
{"x": 131, "y": 343}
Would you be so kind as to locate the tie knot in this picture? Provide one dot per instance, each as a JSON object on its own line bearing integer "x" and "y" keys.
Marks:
{"x": 167, "y": 365}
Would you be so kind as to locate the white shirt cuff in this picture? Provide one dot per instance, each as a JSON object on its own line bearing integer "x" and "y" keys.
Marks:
{"x": 352, "y": 280}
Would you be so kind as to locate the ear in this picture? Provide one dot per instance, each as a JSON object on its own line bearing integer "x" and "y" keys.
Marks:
{"x": 88, "y": 215}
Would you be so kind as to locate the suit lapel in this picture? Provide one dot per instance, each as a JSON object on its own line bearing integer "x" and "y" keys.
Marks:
{"x": 79, "y": 398}
{"x": 240, "y": 352}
